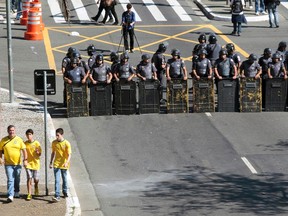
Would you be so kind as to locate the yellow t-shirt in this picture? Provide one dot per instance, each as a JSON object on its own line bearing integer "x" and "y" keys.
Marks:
{"x": 62, "y": 150}
{"x": 12, "y": 150}
{"x": 33, "y": 160}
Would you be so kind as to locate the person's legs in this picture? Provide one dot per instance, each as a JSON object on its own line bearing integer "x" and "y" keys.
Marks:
{"x": 19, "y": 9}
{"x": 57, "y": 181}
{"x": 131, "y": 35}
{"x": 9, "y": 170}
{"x": 115, "y": 15}
{"x": 276, "y": 18}
{"x": 257, "y": 6}
{"x": 234, "y": 27}
{"x": 65, "y": 182}
{"x": 271, "y": 16}
{"x": 17, "y": 174}
{"x": 239, "y": 28}
{"x": 101, "y": 8}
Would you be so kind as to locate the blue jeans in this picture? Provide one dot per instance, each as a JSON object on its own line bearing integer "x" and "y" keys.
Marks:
{"x": 262, "y": 6}
{"x": 237, "y": 27}
{"x": 13, "y": 178}
{"x": 63, "y": 172}
{"x": 19, "y": 9}
{"x": 273, "y": 14}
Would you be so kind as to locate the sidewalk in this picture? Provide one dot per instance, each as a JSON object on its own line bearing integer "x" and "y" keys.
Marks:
{"x": 26, "y": 113}
{"x": 219, "y": 10}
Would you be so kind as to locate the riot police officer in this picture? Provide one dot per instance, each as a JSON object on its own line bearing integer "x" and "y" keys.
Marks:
{"x": 114, "y": 58}
{"x": 213, "y": 49}
{"x": 264, "y": 60}
{"x": 202, "y": 45}
{"x": 276, "y": 68}
{"x": 76, "y": 73}
{"x": 282, "y": 50}
{"x": 100, "y": 72}
{"x": 234, "y": 56}
{"x": 224, "y": 67}
{"x": 250, "y": 67}
{"x": 84, "y": 64}
{"x": 202, "y": 66}
{"x": 158, "y": 59}
{"x": 91, "y": 51}
{"x": 124, "y": 70}
{"x": 145, "y": 70}
{"x": 176, "y": 67}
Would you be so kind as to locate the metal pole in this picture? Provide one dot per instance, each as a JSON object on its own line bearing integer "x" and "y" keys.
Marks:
{"x": 9, "y": 49}
{"x": 45, "y": 132}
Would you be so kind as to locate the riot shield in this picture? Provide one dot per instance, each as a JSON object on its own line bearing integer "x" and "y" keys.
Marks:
{"x": 149, "y": 101}
{"x": 275, "y": 94}
{"x": 228, "y": 95}
{"x": 101, "y": 99}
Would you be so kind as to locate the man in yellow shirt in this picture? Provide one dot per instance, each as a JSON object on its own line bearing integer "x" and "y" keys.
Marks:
{"x": 61, "y": 154}
{"x": 12, "y": 146}
{"x": 34, "y": 150}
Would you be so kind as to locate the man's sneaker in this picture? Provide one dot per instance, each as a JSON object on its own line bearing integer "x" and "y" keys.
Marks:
{"x": 16, "y": 195}
{"x": 257, "y": 13}
{"x": 264, "y": 13}
{"x": 10, "y": 199}
{"x": 110, "y": 21}
{"x": 115, "y": 23}
{"x": 29, "y": 197}
{"x": 131, "y": 51}
{"x": 56, "y": 199}
{"x": 94, "y": 18}
{"x": 65, "y": 195}
{"x": 36, "y": 191}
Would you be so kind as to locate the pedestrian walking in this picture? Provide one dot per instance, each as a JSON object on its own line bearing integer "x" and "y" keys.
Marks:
{"x": 60, "y": 162}
{"x": 128, "y": 22}
{"x": 12, "y": 146}
{"x": 34, "y": 151}
{"x": 238, "y": 16}
{"x": 101, "y": 8}
{"x": 272, "y": 7}
{"x": 260, "y": 7}
{"x": 109, "y": 6}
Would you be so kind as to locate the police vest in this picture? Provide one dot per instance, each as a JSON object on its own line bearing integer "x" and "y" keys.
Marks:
{"x": 75, "y": 74}
{"x": 145, "y": 70}
{"x": 224, "y": 68}
{"x": 124, "y": 71}
{"x": 100, "y": 73}
{"x": 201, "y": 67}
{"x": 175, "y": 70}
{"x": 276, "y": 69}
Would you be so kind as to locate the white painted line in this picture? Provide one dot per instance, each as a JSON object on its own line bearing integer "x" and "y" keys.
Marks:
{"x": 56, "y": 11}
{"x": 285, "y": 4}
{"x": 208, "y": 114}
{"x": 249, "y": 165}
{"x": 124, "y": 3}
{"x": 156, "y": 13}
{"x": 179, "y": 10}
{"x": 80, "y": 10}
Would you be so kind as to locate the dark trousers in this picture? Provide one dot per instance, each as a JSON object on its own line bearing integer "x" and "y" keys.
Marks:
{"x": 101, "y": 8}
{"x": 127, "y": 31}
{"x": 108, "y": 11}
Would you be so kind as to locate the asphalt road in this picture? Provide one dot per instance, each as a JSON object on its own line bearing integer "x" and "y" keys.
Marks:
{"x": 176, "y": 164}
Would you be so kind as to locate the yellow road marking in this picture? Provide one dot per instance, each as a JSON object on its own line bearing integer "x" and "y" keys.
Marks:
{"x": 48, "y": 48}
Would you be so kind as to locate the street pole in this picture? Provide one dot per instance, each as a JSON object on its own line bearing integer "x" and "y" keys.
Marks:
{"x": 9, "y": 46}
{"x": 45, "y": 132}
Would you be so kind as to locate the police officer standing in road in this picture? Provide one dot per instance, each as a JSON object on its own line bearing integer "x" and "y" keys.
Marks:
{"x": 282, "y": 50}
{"x": 146, "y": 70}
{"x": 213, "y": 49}
{"x": 250, "y": 67}
{"x": 276, "y": 68}
{"x": 76, "y": 74}
{"x": 202, "y": 45}
{"x": 84, "y": 64}
{"x": 264, "y": 61}
{"x": 124, "y": 70}
{"x": 92, "y": 53}
{"x": 224, "y": 67}
{"x": 100, "y": 72}
{"x": 234, "y": 56}
{"x": 202, "y": 67}
{"x": 128, "y": 22}
{"x": 176, "y": 67}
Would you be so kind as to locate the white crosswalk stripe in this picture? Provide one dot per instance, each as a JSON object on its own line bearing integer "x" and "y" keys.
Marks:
{"x": 82, "y": 15}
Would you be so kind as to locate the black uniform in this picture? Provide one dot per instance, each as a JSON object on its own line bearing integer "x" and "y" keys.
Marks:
{"x": 263, "y": 62}
{"x": 213, "y": 52}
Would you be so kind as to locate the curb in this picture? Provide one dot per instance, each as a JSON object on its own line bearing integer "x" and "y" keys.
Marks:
{"x": 72, "y": 203}
{"x": 212, "y": 16}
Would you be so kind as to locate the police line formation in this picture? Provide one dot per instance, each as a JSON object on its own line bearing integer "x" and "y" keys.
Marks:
{"x": 246, "y": 86}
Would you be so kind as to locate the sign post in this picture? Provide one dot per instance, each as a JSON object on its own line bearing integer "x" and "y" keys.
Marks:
{"x": 45, "y": 86}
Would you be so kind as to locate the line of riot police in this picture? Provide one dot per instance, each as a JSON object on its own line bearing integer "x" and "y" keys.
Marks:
{"x": 210, "y": 60}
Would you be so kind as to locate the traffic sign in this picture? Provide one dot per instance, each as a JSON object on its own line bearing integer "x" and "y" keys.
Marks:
{"x": 39, "y": 82}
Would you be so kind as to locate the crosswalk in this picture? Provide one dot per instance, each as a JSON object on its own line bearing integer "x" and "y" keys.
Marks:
{"x": 152, "y": 6}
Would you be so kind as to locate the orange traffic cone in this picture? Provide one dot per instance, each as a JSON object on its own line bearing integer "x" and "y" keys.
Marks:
{"x": 33, "y": 27}
{"x": 37, "y": 4}
{"x": 25, "y": 8}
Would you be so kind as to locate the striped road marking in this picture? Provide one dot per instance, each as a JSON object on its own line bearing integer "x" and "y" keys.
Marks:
{"x": 56, "y": 11}
{"x": 249, "y": 165}
{"x": 156, "y": 13}
{"x": 285, "y": 4}
{"x": 80, "y": 10}
{"x": 179, "y": 10}
{"x": 124, "y": 3}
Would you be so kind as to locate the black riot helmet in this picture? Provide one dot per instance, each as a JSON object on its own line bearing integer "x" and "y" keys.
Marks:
{"x": 163, "y": 47}
{"x": 124, "y": 56}
{"x": 202, "y": 51}
{"x": 223, "y": 52}
{"x": 74, "y": 61}
{"x": 70, "y": 51}
{"x": 99, "y": 57}
{"x": 114, "y": 56}
{"x": 145, "y": 57}
{"x": 267, "y": 51}
{"x": 91, "y": 50}
{"x": 202, "y": 37}
{"x": 230, "y": 47}
{"x": 212, "y": 39}
{"x": 175, "y": 52}
{"x": 252, "y": 58}
{"x": 282, "y": 44}
{"x": 76, "y": 55}
{"x": 276, "y": 56}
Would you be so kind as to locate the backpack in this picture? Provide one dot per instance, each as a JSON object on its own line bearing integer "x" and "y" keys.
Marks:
{"x": 237, "y": 7}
